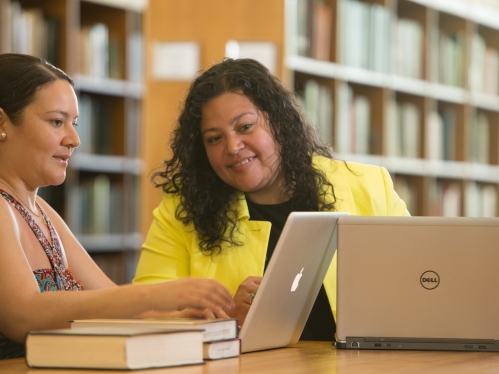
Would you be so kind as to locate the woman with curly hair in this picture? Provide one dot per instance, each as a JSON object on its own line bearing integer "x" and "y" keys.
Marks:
{"x": 244, "y": 157}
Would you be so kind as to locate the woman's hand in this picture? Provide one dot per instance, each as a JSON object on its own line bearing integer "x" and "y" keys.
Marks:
{"x": 199, "y": 313}
{"x": 196, "y": 298}
{"x": 244, "y": 297}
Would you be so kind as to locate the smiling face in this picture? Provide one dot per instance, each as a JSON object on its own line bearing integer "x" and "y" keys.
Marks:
{"x": 241, "y": 148}
{"x": 38, "y": 149}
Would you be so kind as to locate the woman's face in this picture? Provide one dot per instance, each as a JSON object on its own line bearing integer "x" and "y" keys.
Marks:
{"x": 40, "y": 146}
{"x": 241, "y": 148}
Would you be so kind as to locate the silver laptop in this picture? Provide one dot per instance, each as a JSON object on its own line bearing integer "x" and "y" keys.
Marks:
{"x": 291, "y": 282}
{"x": 429, "y": 283}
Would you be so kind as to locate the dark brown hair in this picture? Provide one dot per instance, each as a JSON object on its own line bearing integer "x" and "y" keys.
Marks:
{"x": 20, "y": 78}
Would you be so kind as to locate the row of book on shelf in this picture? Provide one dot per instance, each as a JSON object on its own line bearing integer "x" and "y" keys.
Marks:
{"x": 361, "y": 23}
{"x": 99, "y": 206}
{"x": 403, "y": 133}
{"x": 367, "y": 40}
{"x": 29, "y": 30}
{"x": 447, "y": 198}
{"x": 450, "y": 67}
{"x": 484, "y": 70}
{"x": 101, "y": 53}
{"x": 95, "y": 125}
{"x": 365, "y": 35}
{"x": 407, "y": 192}
{"x": 133, "y": 343}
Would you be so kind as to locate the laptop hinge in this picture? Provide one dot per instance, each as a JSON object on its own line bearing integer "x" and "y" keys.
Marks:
{"x": 428, "y": 340}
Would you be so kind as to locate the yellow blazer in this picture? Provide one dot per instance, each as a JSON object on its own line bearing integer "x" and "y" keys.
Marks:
{"x": 171, "y": 250}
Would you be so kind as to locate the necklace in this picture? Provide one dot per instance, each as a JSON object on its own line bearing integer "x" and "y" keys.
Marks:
{"x": 22, "y": 201}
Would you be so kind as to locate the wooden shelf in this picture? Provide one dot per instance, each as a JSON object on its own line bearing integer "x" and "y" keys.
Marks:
{"x": 474, "y": 11}
{"x": 450, "y": 103}
{"x": 133, "y": 5}
{"x": 112, "y": 87}
{"x": 483, "y": 101}
{"x": 111, "y": 242}
{"x": 106, "y": 164}
{"x": 430, "y": 168}
{"x": 399, "y": 83}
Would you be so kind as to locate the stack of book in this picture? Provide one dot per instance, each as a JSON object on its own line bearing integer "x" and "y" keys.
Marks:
{"x": 317, "y": 101}
{"x": 445, "y": 198}
{"x": 100, "y": 52}
{"x": 403, "y": 129}
{"x": 484, "y": 69}
{"x": 481, "y": 200}
{"x": 451, "y": 59}
{"x": 353, "y": 131}
{"x": 409, "y": 48}
{"x": 480, "y": 139}
{"x": 133, "y": 343}
{"x": 314, "y": 29}
{"x": 407, "y": 192}
{"x": 95, "y": 125}
{"x": 100, "y": 203}
{"x": 441, "y": 135}
{"x": 365, "y": 35}
{"x": 29, "y": 31}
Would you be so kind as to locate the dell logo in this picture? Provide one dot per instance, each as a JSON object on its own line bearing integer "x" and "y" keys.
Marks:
{"x": 430, "y": 280}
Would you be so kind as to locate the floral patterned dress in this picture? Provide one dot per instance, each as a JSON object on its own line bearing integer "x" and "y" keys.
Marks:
{"x": 58, "y": 278}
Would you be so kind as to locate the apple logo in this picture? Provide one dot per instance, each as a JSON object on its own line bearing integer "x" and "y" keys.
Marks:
{"x": 294, "y": 286}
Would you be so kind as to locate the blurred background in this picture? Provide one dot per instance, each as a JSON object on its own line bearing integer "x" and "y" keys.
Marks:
{"x": 412, "y": 85}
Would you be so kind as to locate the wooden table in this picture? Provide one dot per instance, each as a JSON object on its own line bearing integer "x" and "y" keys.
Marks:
{"x": 316, "y": 358}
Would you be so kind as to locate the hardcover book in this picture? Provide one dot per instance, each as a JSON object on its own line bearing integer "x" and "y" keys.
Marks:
{"x": 214, "y": 329}
{"x": 221, "y": 349}
{"x": 113, "y": 348}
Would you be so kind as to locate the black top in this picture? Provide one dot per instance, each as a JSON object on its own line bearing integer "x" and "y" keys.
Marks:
{"x": 320, "y": 324}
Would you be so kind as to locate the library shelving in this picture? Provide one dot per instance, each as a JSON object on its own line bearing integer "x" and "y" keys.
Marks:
{"x": 99, "y": 44}
{"x": 413, "y": 86}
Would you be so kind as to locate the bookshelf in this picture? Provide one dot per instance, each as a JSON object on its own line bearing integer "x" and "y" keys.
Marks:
{"x": 99, "y": 44}
{"x": 414, "y": 87}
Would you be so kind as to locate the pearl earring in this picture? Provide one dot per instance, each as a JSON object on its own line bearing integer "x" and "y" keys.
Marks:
{"x": 3, "y": 135}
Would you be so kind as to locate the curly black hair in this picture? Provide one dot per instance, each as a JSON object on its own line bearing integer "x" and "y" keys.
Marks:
{"x": 207, "y": 201}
